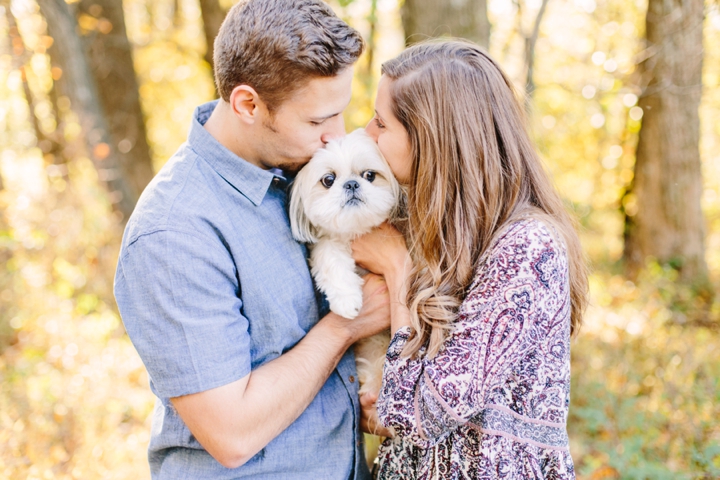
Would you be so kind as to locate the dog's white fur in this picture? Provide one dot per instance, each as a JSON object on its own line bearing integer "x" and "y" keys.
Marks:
{"x": 329, "y": 218}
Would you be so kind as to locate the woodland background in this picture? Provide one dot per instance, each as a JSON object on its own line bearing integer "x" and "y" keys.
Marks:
{"x": 623, "y": 101}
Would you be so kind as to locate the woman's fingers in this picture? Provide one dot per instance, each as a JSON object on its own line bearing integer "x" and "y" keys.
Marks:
{"x": 367, "y": 400}
{"x": 378, "y": 249}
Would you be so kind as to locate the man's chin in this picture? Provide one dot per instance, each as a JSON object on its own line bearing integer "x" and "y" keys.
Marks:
{"x": 291, "y": 168}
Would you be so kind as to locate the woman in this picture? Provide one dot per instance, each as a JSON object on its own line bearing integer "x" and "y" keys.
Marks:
{"x": 490, "y": 287}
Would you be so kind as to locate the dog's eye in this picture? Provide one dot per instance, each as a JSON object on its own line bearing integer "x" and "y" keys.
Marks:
{"x": 369, "y": 175}
{"x": 328, "y": 180}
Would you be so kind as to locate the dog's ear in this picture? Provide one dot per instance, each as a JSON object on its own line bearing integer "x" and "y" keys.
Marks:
{"x": 302, "y": 229}
{"x": 399, "y": 214}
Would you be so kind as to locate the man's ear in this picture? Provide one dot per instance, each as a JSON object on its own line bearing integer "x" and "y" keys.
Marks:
{"x": 246, "y": 103}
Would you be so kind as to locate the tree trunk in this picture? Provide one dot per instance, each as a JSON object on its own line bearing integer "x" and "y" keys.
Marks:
{"x": 20, "y": 57}
{"x": 370, "y": 41}
{"x": 467, "y": 19}
{"x": 530, "y": 41}
{"x": 109, "y": 54}
{"x": 212, "y": 16}
{"x": 667, "y": 223}
{"x": 85, "y": 101}
{"x": 177, "y": 13}
{"x": 48, "y": 142}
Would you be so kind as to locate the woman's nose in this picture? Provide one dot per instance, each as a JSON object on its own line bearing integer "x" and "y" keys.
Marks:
{"x": 336, "y": 129}
{"x": 371, "y": 130}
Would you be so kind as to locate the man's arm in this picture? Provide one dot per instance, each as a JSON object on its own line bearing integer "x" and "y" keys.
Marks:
{"x": 235, "y": 421}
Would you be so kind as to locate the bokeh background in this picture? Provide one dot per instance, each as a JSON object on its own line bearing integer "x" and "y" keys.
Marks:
{"x": 95, "y": 95}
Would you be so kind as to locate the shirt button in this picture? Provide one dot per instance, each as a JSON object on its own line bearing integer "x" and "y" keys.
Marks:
{"x": 352, "y": 379}
{"x": 275, "y": 181}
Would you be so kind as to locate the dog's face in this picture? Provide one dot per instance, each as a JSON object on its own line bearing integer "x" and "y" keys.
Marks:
{"x": 346, "y": 189}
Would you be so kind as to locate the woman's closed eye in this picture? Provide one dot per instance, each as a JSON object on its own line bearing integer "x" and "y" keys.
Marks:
{"x": 378, "y": 123}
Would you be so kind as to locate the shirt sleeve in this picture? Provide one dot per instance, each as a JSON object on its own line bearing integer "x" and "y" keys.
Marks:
{"x": 178, "y": 295}
{"x": 522, "y": 281}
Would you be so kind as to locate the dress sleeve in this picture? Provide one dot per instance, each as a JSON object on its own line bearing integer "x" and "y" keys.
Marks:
{"x": 178, "y": 296}
{"x": 522, "y": 281}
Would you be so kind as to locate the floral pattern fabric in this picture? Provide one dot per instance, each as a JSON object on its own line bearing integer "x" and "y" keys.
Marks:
{"x": 493, "y": 403}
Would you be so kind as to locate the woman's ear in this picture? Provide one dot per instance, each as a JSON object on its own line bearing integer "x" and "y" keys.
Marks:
{"x": 302, "y": 229}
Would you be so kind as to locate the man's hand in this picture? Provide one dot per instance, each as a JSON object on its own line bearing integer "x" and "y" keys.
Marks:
{"x": 369, "y": 422}
{"x": 374, "y": 316}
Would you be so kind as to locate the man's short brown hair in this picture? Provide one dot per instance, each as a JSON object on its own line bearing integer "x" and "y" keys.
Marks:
{"x": 277, "y": 46}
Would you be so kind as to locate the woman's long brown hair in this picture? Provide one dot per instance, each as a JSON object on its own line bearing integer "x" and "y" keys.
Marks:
{"x": 475, "y": 170}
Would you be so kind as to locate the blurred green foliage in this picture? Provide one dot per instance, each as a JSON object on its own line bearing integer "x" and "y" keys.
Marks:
{"x": 645, "y": 388}
{"x": 74, "y": 401}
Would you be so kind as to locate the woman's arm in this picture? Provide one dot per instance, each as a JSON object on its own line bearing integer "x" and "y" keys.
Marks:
{"x": 383, "y": 251}
{"x": 522, "y": 282}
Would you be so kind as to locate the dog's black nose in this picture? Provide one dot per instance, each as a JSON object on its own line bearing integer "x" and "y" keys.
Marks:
{"x": 351, "y": 185}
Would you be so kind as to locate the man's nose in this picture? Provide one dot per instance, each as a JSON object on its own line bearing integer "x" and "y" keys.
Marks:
{"x": 336, "y": 129}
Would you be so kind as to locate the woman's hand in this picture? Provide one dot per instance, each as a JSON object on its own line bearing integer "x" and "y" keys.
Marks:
{"x": 369, "y": 422}
{"x": 381, "y": 251}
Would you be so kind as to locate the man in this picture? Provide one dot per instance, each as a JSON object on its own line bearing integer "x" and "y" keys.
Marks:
{"x": 214, "y": 292}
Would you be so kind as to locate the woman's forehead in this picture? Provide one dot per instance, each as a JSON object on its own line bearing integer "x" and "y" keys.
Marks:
{"x": 383, "y": 100}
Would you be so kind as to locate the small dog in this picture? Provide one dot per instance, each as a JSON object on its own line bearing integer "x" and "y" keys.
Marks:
{"x": 345, "y": 190}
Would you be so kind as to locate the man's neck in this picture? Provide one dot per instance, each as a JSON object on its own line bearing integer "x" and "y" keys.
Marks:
{"x": 229, "y": 132}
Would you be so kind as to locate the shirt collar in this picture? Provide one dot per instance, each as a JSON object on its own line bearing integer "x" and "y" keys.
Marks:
{"x": 252, "y": 181}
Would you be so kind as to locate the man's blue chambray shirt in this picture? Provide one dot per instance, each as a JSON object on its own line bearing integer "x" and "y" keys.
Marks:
{"x": 211, "y": 285}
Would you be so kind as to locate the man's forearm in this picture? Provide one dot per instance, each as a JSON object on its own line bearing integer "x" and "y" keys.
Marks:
{"x": 236, "y": 421}
{"x": 279, "y": 391}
